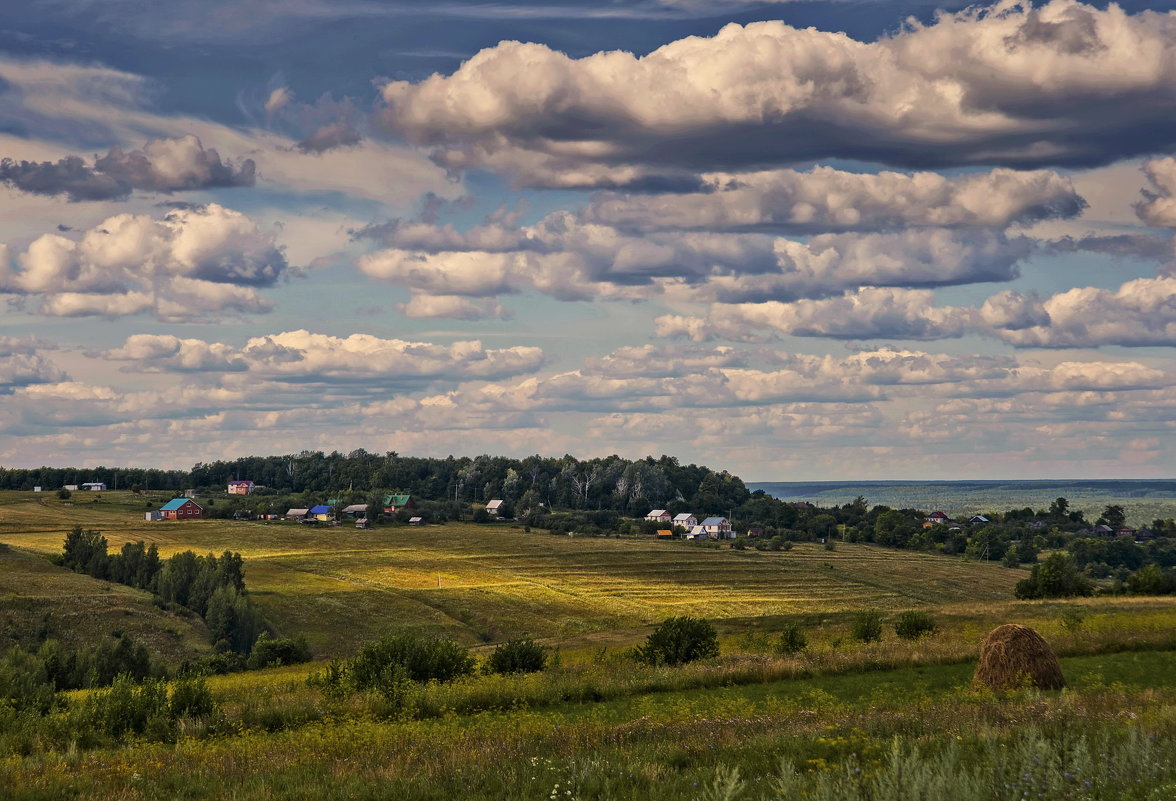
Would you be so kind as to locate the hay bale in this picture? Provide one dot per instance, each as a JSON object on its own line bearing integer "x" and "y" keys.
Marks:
{"x": 1014, "y": 656}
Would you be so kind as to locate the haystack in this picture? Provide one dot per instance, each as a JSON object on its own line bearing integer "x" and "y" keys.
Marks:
{"x": 1014, "y": 656}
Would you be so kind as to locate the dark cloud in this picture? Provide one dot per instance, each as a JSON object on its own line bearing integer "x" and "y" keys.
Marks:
{"x": 329, "y": 137}
{"x": 162, "y": 165}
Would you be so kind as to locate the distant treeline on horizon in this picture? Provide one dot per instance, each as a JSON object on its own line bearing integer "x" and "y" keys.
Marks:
{"x": 632, "y": 486}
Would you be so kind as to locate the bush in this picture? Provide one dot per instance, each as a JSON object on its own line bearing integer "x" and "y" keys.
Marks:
{"x": 679, "y": 640}
{"x": 517, "y": 656}
{"x": 410, "y": 656}
{"x": 914, "y": 624}
{"x": 268, "y": 652}
{"x": 792, "y": 639}
{"x": 867, "y": 625}
{"x": 1056, "y": 577}
{"x": 191, "y": 698}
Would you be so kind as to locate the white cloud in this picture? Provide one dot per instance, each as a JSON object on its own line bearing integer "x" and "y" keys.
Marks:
{"x": 191, "y": 263}
{"x": 826, "y": 199}
{"x": 868, "y": 313}
{"x": 302, "y": 356}
{"x": 1140, "y": 313}
{"x": 1064, "y": 83}
{"x": 453, "y": 307}
{"x": 161, "y": 165}
{"x": 1158, "y": 206}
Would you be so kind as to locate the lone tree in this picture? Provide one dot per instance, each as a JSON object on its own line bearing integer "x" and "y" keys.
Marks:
{"x": 679, "y": 640}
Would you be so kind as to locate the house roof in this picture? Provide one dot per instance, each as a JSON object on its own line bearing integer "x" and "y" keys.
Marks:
{"x": 494, "y": 504}
{"x": 656, "y": 513}
{"x": 176, "y": 503}
{"x": 937, "y": 516}
{"x": 414, "y": 519}
{"x": 297, "y": 512}
{"x": 397, "y": 500}
{"x": 683, "y": 516}
{"x": 242, "y": 481}
{"x": 714, "y": 521}
{"x": 321, "y": 509}
{"x": 979, "y": 519}
{"x": 355, "y": 507}
{"x": 664, "y": 532}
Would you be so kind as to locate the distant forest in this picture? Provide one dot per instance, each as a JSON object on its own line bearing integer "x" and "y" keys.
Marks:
{"x": 612, "y": 483}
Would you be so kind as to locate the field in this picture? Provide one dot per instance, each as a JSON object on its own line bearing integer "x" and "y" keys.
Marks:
{"x": 886, "y": 721}
{"x": 340, "y": 586}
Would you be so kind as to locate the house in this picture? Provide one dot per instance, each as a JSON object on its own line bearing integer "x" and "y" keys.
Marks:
{"x": 94, "y": 486}
{"x": 936, "y": 517}
{"x": 36, "y": 489}
{"x": 697, "y": 533}
{"x": 240, "y": 487}
{"x": 394, "y": 503}
{"x": 718, "y": 528}
{"x": 71, "y": 487}
{"x": 416, "y": 521}
{"x": 181, "y": 509}
{"x": 1144, "y": 534}
{"x": 152, "y": 516}
{"x": 322, "y": 513}
{"x": 665, "y": 534}
{"x": 1038, "y": 525}
{"x": 685, "y": 520}
{"x": 191, "y": 493}
{"x": 362, "y": 522}
{"x": 356, "y": 510}
{"x": 658, "y": 516}
{"x": 493, "y": 507}
{"x": 297, "y": 514}
{"x": 755, "y": 531}
{"x": 978, "y": 520}
{"x": 1102, "y": 531}
{"x": 1125, "y": 532}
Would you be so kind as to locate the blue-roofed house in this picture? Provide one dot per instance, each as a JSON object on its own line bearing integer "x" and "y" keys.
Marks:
{"x": 181, "y": 509}
{"x": 321, "y": 512}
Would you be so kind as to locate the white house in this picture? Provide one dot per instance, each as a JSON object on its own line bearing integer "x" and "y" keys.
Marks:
{"x": 94, "y": 486}
{"x": 685, "y": 520}
{"x": 658, "y": 516}
{"x": 718, "y": 528}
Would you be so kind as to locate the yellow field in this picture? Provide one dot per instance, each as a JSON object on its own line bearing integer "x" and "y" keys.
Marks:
{"x": 341, "y": 586}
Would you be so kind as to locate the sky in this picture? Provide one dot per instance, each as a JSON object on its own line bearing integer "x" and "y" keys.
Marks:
{"x": 795, "y": 240}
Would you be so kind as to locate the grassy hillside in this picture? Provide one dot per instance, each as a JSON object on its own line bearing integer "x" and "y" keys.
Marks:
{"x": 39, "y": 600}
{"x": 340, "y": 586}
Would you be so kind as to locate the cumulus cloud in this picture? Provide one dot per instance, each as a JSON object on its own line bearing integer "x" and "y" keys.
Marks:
{"x": 190, "y": 263}
{"x": 302, "y": 356}
{"x": 22, "y": 365}
{"x": 1158, "y": 206}
{"x": 161, "y": 165}
{"x": 453, "y": 307}
{"x": 1138, "y": 314}
{"x": 567, "y": 258}
{"x": 868, "y": 313}
{"x": 825, "y": 199}
{"x": 1013, "y": 85}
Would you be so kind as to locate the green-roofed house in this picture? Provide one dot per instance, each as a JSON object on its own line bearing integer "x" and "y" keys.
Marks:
{"x": 181, "y": 509}
{"x": 394, "y": 503}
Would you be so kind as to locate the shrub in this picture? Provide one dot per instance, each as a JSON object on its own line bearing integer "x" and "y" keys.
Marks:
{"x": 1056, "y": 577}
{"x": 867, "y": 625}
{"x": 517, "y": 656}
{"x": 792, "y": 639}
{"x": 268, "y": 652}
{"x": 679, "y": 640}
{"x": 410, "y": 656}
{"x": 914, "y": 624}
{"x": 191, "y": 698}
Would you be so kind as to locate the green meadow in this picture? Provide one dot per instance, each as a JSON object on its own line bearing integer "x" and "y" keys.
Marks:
{"x": 842, "y": 719}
